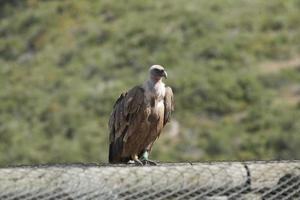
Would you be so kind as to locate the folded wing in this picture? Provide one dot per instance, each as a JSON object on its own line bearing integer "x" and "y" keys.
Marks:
{"x": 169, "y": 104}
{"x": 124, "y": 114}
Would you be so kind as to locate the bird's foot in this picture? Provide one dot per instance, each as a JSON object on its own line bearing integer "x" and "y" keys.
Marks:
{"x": 145, "y": 159}
{"x": 149, "y": 162}
{"x": 135, "y": 162}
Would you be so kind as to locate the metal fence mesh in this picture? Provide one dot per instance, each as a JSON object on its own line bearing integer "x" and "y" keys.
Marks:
{"x": 208, "y": 181}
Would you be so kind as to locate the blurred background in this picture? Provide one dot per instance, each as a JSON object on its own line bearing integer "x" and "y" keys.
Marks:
{"x": 234, "y": 67}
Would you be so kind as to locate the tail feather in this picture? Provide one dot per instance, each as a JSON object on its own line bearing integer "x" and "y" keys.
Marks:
{"x": 115, "y": 151}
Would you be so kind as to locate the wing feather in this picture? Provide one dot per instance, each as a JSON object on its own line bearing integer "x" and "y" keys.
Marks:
{"x": 169, "y": 104}
{"x": 124, "y": 113}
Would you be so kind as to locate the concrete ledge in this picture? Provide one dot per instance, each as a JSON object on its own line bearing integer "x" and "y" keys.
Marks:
{"x": 218, "y": 180}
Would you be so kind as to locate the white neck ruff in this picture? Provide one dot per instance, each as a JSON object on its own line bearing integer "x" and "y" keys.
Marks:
{"x": 155, "y": 89}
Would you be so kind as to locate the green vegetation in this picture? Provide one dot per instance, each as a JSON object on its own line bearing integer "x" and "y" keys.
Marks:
{"x": 63, "y": 64}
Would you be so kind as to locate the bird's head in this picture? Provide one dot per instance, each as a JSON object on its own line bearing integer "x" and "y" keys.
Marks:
{"x": 157, "y": 72}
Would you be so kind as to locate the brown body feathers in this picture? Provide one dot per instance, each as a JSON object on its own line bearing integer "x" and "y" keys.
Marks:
{"x": 137, "y": 120}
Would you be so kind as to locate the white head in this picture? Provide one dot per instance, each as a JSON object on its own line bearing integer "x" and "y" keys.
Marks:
{"x": 157, "y": 72}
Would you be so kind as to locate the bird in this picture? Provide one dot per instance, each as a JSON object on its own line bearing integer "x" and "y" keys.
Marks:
{"x": 138, "y": 117}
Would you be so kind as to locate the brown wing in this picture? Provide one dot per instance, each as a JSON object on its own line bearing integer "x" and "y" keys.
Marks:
{"x": 169, "y": 104}
{"x": 125, "y": 109}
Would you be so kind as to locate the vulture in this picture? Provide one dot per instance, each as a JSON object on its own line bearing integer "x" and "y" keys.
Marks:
{"x": 137, "y": 119}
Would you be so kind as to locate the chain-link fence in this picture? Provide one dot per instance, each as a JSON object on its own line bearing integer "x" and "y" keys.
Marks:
{"x": 209, "y": 181}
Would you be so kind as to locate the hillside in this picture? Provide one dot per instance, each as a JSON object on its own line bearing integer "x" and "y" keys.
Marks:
{"x": 63, "y": 64}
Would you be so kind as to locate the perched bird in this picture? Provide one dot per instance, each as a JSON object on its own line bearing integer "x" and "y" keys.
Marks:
{"x": 138, "y": 118}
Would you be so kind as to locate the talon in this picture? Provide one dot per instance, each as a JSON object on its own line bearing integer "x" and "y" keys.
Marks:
{"x": 150, "y": 162}
{"x": 137, "y": 161}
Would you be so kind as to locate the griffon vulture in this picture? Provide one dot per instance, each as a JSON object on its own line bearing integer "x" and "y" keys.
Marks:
{"x": 138, "y": 118}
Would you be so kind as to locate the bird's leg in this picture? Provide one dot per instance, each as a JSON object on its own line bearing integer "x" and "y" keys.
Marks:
{"x": 136, "y": 160}
{"x": 145, "y": 159}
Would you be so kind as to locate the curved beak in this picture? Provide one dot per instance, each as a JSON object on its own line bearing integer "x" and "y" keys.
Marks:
{"x": 165, "y": 74}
